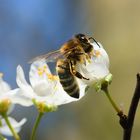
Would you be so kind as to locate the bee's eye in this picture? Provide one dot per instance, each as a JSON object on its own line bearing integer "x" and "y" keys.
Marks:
{"x": 83, "y": 39}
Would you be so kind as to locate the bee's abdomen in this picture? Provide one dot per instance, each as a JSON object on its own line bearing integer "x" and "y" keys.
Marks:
{"x": 69, "y": 84}
{"x": 68, "y": 81}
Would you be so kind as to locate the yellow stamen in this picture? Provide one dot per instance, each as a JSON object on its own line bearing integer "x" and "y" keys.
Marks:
{"x": 45, "y": 67}
{"x": 89, "y": 60}
{"x": 52, "y": 77}
{"x": 42, "y": 70}
{"x": 97, "y": 53}
{"x": 40, "y": 73}
{"x": 39, "y": 69}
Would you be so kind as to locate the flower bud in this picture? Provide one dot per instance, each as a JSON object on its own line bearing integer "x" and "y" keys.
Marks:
{"x": 103, "y": 83}
{"x": 4, "y": 105}
{"x": 44, "y": 107}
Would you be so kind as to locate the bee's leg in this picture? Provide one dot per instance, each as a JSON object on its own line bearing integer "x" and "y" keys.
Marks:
{"x": 76, "y": 73}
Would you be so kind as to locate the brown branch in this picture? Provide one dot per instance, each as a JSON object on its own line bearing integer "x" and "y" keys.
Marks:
{"x": 127, "y": 122}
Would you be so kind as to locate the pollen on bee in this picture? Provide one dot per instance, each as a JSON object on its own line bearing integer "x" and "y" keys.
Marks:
{"x": 89, "y": 61}
{"x": 92, "y": 52}
{"x": 88, "y": 58}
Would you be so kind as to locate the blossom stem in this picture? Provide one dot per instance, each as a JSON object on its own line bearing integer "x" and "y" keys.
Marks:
{"x": 38, "y": 119}
{"x": 2, "y": 137}
{"x": 15, "y": 135}
{"x": 112, "y": 102}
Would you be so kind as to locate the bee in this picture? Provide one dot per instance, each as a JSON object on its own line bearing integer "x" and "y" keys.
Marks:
{"x": 76, "y": 50}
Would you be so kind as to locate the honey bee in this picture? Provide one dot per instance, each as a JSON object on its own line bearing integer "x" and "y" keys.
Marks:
{"x": 76, "y": 50}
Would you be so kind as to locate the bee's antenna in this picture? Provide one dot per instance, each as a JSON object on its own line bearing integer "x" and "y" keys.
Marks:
{"x": 94, "y": 41}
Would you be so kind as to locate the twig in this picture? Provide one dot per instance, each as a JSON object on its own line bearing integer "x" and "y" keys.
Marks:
{"x": 127, "y": 122}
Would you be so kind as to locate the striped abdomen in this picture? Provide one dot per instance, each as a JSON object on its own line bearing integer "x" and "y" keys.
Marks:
{"x": 67, "y": 80}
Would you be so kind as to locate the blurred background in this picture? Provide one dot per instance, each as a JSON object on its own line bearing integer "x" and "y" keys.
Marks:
{"x": 32, "y": 27}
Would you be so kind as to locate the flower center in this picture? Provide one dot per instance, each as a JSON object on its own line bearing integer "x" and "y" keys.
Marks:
{"x": 43, "y": 70}
{"x": 48, "y": 82}
{"x": 41, "y": 89}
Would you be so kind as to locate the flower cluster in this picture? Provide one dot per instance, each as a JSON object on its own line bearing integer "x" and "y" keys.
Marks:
{"x": 7, "y": 97}
{"x": 45, "y": 90}
{"x": 46, "y": 87}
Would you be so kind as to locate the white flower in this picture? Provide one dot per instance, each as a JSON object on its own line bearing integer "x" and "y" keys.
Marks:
{"x": 97, "y": 68}
{"x": 7, "y": 97}
{"x": 5, "y": 90}
{"x": 4, "y": 129}
{"x": 43, "y": 87}
{"x": 4, "y": 87}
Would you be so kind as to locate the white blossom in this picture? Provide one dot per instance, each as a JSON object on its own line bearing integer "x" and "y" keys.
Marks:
{"x": 43, "y": 87}
{"x": 7, "y": 97}
{"x": 97, "y": 68}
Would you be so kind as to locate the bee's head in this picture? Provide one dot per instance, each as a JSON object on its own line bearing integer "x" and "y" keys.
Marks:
{"x": 82, "y": 38}
{"x": 86, "y": 42}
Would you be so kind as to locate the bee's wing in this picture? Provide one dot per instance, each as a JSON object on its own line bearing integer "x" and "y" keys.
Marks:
{"x": 49, "y": 57}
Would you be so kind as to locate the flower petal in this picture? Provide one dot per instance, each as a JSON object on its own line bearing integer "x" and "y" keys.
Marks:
{"x": 98, "y": 68}
{"x": 4, "y": 87}
{"x": 4, "y": 129}
{"x": 22, "y": 83}
{"x": 103, "y": 56}
{"x": 60, "y": 97}
{"x": 38, "y": 72}
{"x": 44, "y": 88}
{"x": 22, "y": 97}
{"x": 20, "y": 77}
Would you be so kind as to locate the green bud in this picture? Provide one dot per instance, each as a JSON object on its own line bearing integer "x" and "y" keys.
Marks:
{"x": 106, "y": 82}
{"x": 44, "y": 107}
{"x": 4, "y": 105}
{"x": 103, "y": 83}
{"x": 50, "y": 108}
{"x": 97, "y": 86}
{"x": 108, "y": 78}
